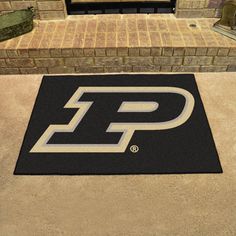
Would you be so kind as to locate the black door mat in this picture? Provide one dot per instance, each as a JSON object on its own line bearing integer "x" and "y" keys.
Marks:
{"x": 118, "y": 124}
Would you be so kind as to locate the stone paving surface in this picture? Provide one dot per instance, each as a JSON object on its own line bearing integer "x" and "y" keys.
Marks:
{"x": 131, "y": 30}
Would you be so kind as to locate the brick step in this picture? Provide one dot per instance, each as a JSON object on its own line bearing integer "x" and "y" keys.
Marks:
{"x": 117, "y": 60}
{"x": 130, "y": 43}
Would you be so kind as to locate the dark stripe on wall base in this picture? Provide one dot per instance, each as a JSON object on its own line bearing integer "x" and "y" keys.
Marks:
{"x": 119, "y": 7}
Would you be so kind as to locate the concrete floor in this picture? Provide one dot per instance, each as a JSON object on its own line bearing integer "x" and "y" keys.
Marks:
{"x": 165, "y": 205}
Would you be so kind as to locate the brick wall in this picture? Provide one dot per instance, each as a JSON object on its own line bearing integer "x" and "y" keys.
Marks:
{"x": 55, "y": 9}
{"x": 45, "y": 9}
{"x": 199, "y": 8}
{"x": 56, "y": 61}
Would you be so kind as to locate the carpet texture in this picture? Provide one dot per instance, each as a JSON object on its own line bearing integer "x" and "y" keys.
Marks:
{"x": 118, "y": 124}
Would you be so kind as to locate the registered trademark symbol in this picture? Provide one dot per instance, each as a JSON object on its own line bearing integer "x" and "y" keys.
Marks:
{"x": 134, "y": 148}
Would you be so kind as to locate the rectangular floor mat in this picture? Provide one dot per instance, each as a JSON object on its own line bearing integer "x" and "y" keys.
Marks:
{"x": 118, "y": 124}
